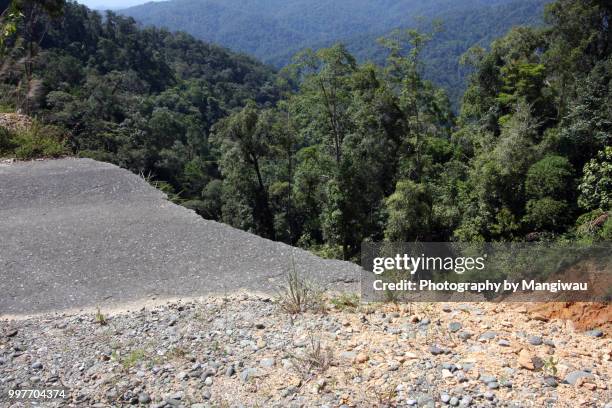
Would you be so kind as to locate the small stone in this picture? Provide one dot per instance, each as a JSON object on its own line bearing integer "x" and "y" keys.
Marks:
{"x": 493, "y": 385}
{"x": 461, "y": 377}
{"x": 504, "y": 343}
{"x": 176, "y": 396}
{"x": 574, "y": 376}
{"x": 411, "y": 402}
{"x": 230, "y": 371}
{"x": 393, "y": 366}
{"x": 487, "y": 378}
{"x": 144, "y": 398}
{"x": 445, "y": 398}
{"x": 539, "y": 317}
{"x": 454, "y": 327}
{"x": 37, "y": 365}
{"x": 248, "y": 373}
{"x": 489, "y": 335}
{"x": 435, "y": 350}
{"x": 454, "y": 401}
{"x": 12, "y": 333}
{"x": 489, "y": 396}
{"x": 362, "y": 358}
{"x": 465, "y": 401}
{"x": 535, "y": 340}
{"x": 208, "y": 381}
{"x": 550, "y": 381}
{"x": 464, "y": 335}
{"x": 411, "y": 356}
{"x": 594, "y": 333}
{"x": 425, "y": 400}
{"x": 267, "y": 363}
{"x": 525, "y": 359}
{"x": 348, "y": 355}
{"x": 195, "y": 373}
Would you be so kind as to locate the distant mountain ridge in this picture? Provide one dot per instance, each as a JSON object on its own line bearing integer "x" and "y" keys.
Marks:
{"x": 274, "y": 30}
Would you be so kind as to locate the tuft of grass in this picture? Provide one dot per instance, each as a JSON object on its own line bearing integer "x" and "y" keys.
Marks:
{"x": 315, "y": 358}
{"x": 300, "y": 295}
{"x": 385, "y": 394}
{"x": 36, "y": 142}
{"x": 346, "y": 301}
{"x": 100, "y": 318}
{"x": 177, "y": 353}
{"x": 133, "y": 358}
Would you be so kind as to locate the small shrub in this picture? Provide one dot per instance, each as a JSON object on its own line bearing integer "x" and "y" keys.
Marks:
{"x": 326, "y": 251}
{"x": 550, "y": 366}
{"x": 7, "y": 144}
{"x": 35, "y": 142}
{"x": 299, "y": 295}
{"x": 346, "y": 301}
{"x": 316, "y": 357}
{"x": 177, "y": 353}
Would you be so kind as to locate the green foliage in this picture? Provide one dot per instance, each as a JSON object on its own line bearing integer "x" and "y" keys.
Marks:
{"x": 346, "y": 301}
{"x": 546, "y": 214}
{"x": 331, "y": 152}
{"x": 537, "y": 105}
{"x": 37, "y": 141}
{"x": 596, "y": 186}
{"x": 549, "y": 177}
{"x": 409, "y": 209}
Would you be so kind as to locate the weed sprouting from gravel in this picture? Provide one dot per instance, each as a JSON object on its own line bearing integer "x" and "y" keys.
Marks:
{"x": 133, "y": 358}
{"x": 346, "y": 302}
{"x": 299, "y": 295}
{"x": 100, "y": 318}
{"x": 550, "y": 366}
{"x": 316, "y": 358}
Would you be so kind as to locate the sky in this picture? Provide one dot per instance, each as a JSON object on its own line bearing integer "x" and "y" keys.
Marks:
{"x": 112, "y": 4}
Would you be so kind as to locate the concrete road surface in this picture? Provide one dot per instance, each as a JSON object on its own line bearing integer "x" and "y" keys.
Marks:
{"x": 76, "y": 233}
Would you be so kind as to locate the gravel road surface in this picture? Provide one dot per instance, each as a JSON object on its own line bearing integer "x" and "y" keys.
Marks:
{"x": 76, "y": 233}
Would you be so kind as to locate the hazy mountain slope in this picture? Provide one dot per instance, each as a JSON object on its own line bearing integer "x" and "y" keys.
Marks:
{"x": 268, "y": 28}
{"x": 460, "y": 32}
{"x": 274, "y": 30}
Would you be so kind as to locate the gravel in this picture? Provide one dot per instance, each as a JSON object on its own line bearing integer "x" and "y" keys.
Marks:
{"x": 209, "y": 357}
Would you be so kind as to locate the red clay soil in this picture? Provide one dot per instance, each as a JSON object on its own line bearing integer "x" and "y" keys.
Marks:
{"x": 585, "y": 316}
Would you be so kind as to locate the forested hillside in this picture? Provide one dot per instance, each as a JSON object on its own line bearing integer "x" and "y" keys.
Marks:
{"x": 331, "y": 152}
{"x": 275, "y": 30}
{"x": 141, "y": 98}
